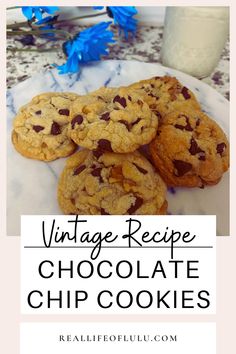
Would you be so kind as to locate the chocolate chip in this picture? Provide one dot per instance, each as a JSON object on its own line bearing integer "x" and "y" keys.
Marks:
{"x": 137, "y": 204}
{"x": 104, "y": 145}
{"x": 78, "y": 170}
{"x": 194, "y": 148}
{"x": 182, "y": 167}
{"x": 125, "y": 123}
{"x": 37, "y": 128}
{"x": 202, "y": 156}
{"x": 103, "y": 212}
{"x": 97, "y": 153}
{"x": 97, "y": 173}
{"x": 129, "y": 125}
{"x": 220, "y": 148}
{"x": 120, "y": 100}
{"x": 152, "y": 95}
{"x": 178, "y": 126}
{"x": 76, "y": 120}
{"x": 198, "y": 122}
{"x": 105, "y": 116}
{"x": 186, "y": 127}
{"x": 185, "y": 93}
{"x": 64, "y": 112}
{"x": 55, "y": 128}
{"x": 152, "y": 86}
{"x": 140, "y": 103}
{"x": 136, "y": 121}
{"x": 142, "y": 170}
{"x": 158, "y": 114}
{"x": 130, "y": 98}
{"x": 38, "y": 112}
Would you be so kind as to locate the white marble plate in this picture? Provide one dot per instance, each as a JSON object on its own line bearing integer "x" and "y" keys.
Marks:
{"x": 32, "y": 185}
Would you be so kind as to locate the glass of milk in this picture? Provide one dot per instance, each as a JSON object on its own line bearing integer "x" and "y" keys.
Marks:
{"x": 194, "y": 37}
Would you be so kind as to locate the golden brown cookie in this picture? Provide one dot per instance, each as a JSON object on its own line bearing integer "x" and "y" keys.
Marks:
{"x": 190, "y": 150}
{"x": 166, "y": 94}
{"x": 40, "y": 127}
{"x": 115, "y": 120}
{"x": 94, "y": 183}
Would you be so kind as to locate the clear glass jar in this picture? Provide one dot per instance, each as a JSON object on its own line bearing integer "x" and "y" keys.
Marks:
{"x": 194, "y": 37}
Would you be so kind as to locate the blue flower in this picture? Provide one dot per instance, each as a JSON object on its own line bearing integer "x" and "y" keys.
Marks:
{"x": 29, "y": 12}
{"x": 88, "y": 45}
{"x": 123, "y": 17}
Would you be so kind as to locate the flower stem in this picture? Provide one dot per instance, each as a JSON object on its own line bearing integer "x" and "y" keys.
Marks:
{"x": 39, "y": 33}
{"x": 26, "y": 24}
{"x": 19, "y": 24}
{"x": 82, "y": 17}
{"x": 13, "y": 7}
{"x": 34, "y": 50}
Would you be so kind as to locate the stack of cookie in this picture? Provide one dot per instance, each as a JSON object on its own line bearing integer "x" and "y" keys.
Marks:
{"x": 109, "y": 176}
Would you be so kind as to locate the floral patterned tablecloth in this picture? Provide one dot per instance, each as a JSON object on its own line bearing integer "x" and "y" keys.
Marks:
{"x": 144, "y": 47}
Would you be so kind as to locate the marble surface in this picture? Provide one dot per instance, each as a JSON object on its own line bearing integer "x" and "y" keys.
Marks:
{"x": 145, "y": 47}
{"x": 32, "y": 185}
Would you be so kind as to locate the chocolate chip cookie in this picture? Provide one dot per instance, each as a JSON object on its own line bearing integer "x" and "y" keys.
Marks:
{"x": 114, "y": 120}
{"x": 190, "y": 150}
{"x": 97, "y": 183}
{"x": 166, "y": 94}
{"x": 40, "y": 127}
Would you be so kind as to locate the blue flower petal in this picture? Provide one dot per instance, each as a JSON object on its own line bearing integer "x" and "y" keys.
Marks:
{"x": 123, "y": 17}
{"x": 88, "y": 45}
{"x": 30, "y": 11}
{"x": 27, "y": 12}
{"x": 71, "y": 66}
{"x": 38, "y": 13}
